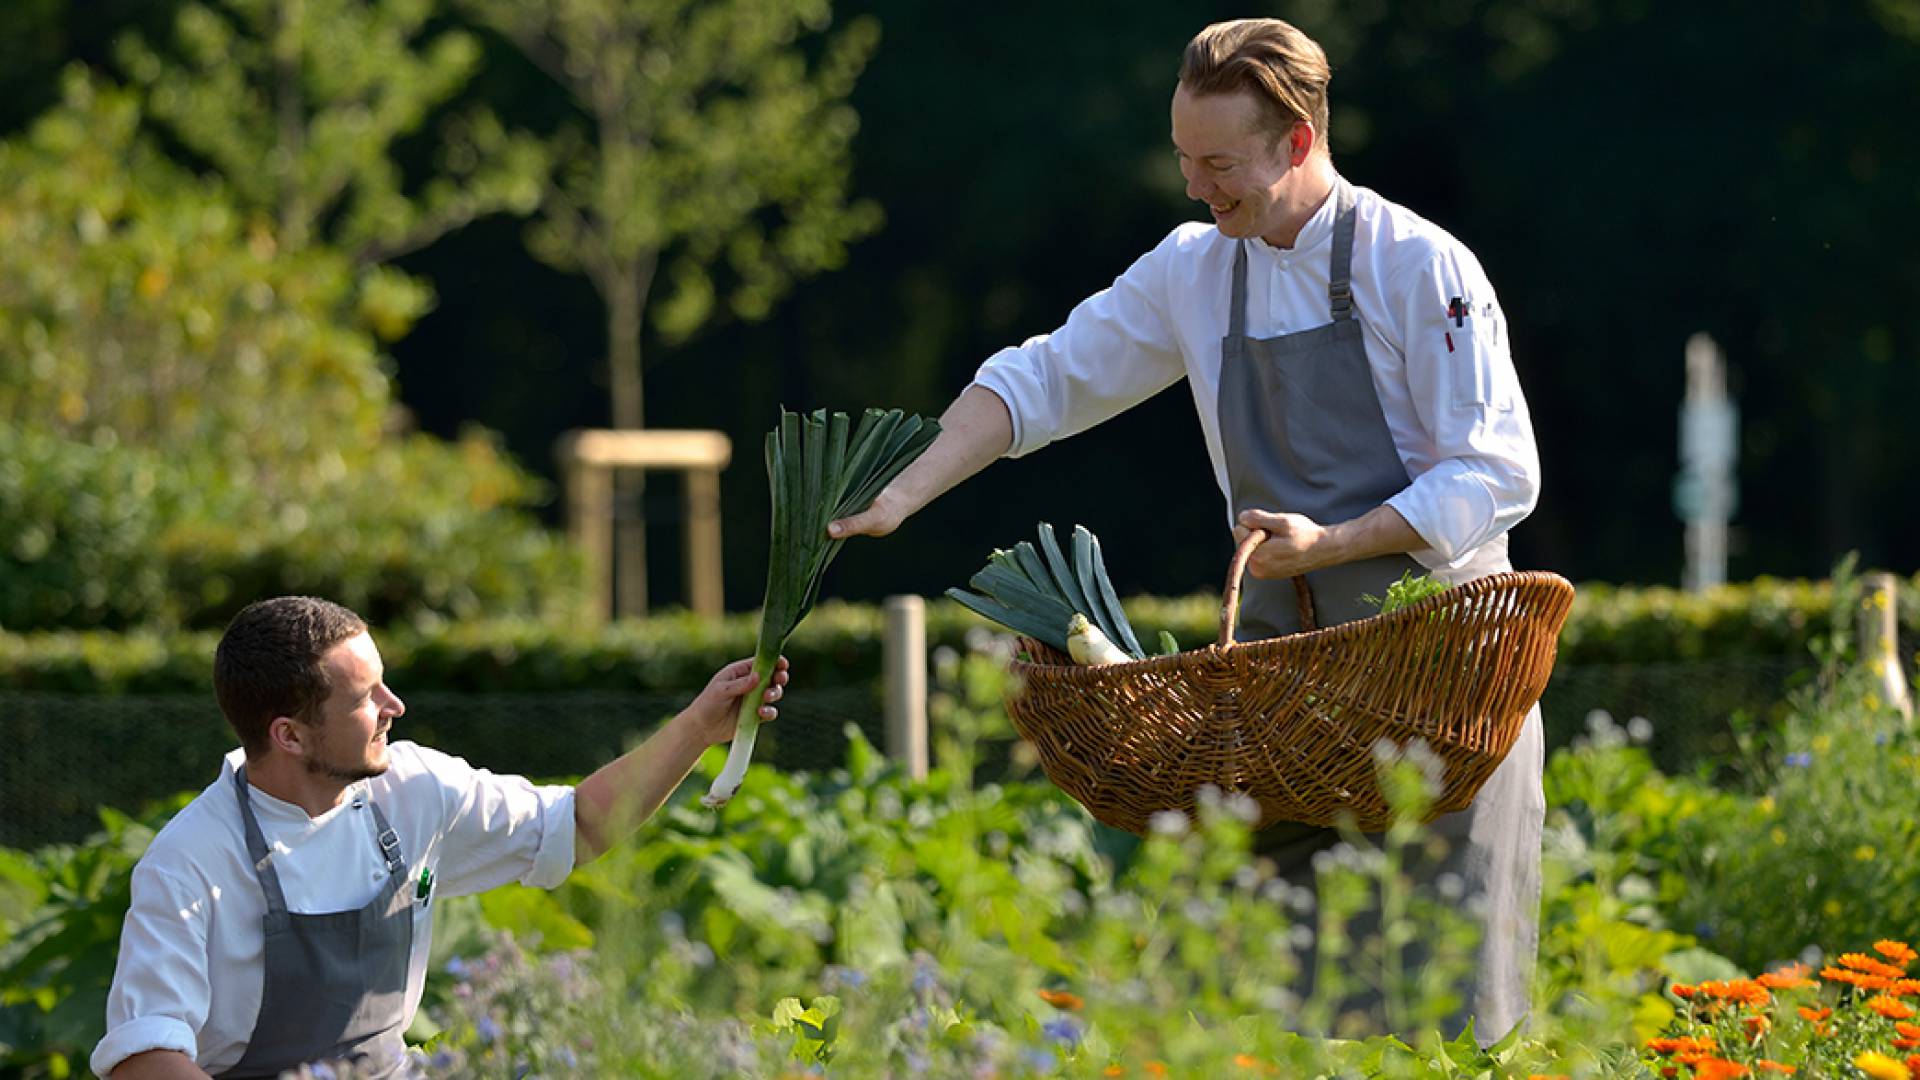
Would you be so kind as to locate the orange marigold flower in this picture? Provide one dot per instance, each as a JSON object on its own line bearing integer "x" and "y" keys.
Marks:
{"x": 1890, "y": 1008}
{"x": 1248, "y": 1061}
{"x": 1863, "y": 962}
{"x": 1682, "y": 1044}
{"x": 1813, "y": 1014}
{"x": 1913, "y": 1063}
{"x": 1681, "y": 990}
{"x": 1155, "y": 1068}
{"x": 1906, "y": 1044}
{"x": 1791, "y": 977}
{"x": 1881, "y": 1067}
{"x": 1718, "y": 1069}
{"x": 1113, "y": 1070}
{"x": 1061, "y": 999}
{"x": 1903, "y": 987}
{"x": 1897, "y": 951}
{"x": 1765, "y": 1065}
{"x": 1545, "y": 1076}
{"x": 1906, "y": 1030}
{"x": 1744, "y": 991}
{"x": 1756, "y": 1025}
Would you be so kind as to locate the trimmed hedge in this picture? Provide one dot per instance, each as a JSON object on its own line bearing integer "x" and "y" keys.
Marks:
{"x": 840, "y": 643}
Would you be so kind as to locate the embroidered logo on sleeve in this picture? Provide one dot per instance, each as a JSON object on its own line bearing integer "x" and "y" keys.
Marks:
{"x": 1458, "y": 309}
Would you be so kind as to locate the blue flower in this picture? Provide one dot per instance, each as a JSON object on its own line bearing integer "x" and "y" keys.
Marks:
{"x": 838, "y": 976}
{"x": 1062, "y": 1029}
{"x": 442, "y": 1059}
{"x": 1799, "y": 759}
{"x": 1039, "y": 1059}
{"x": 487, "y": 1029}
{"x": 457, "y": 968}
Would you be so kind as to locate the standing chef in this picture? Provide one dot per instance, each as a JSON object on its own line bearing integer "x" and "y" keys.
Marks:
{"x": 1351, "y": 370}
{"x": 284, "y": 915}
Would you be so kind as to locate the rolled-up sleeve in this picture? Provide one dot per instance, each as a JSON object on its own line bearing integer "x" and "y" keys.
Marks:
{"x": 1466, "y": 393}
{"x": 160, "y": 991}
{"x": 499, "y": 829}
{"x": 1117, "y": 349}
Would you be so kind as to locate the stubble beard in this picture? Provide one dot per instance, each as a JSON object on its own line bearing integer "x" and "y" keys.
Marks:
{"x": 321, "y": 765}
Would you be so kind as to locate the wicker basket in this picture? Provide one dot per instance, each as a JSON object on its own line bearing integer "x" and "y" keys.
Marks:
{"x": 1292, "y": 721}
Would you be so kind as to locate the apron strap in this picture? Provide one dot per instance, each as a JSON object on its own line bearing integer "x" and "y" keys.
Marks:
{"x": 257, "y": 850}
{"x": 1340, "y": 274}
{"x": 389, "y": 841}
{"x": 1237, "y": 314}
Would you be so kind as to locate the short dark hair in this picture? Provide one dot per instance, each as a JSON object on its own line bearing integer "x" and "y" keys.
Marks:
{"x": 268, "y": 663}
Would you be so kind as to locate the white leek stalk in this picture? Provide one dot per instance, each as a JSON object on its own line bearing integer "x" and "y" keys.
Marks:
{"x": 1087, "y": 645}
{"x": 818, "y": 473}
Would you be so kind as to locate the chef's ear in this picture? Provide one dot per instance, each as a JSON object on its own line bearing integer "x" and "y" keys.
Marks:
{"x": 1301, "y": 141}
{"x": 289, "y": 736}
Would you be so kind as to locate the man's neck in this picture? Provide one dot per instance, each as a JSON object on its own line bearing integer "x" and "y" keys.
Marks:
{"x": 285, "y": 779}
{"x": 1315, "y": 182}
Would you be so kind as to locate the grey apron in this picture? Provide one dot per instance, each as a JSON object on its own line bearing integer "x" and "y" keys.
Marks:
{"x": 1302, "y": 432}
{"x": 335, "y": 985}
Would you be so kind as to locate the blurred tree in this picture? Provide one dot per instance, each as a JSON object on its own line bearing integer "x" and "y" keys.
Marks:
{"x": 299, "y": 104}
{"x": 713, "y": 136}
{"x": 142, "y": 314}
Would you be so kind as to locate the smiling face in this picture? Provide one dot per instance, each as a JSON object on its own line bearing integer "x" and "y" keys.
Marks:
{"x": 1248, "y": 177}
{"x": 348, "y": 740}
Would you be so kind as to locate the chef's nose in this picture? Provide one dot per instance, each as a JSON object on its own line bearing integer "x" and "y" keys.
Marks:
{"x": 1197, "y": 188}
{"x": 395, "y": 707}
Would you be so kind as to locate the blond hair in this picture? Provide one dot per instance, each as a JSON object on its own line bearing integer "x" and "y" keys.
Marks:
{"x": 1285, "y": 70}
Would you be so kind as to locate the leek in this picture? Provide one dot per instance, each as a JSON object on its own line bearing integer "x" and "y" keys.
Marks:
{"x": 818, "y": 473}
{"x": 1039, "y": 591}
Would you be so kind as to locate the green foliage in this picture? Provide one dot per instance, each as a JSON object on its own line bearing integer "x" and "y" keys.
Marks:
{"x": 873, "y": 924}
{"x": 300, "y": 109}
{"x": 79, "y": 533}
{"x": 215, "y": 405}
{"x": 57, "y": 966}
{"x": 714, "y": 137}
{"x": 1407, "y": 591}
{"x": 138, "y": 306}
{"x": 839, "y": 644}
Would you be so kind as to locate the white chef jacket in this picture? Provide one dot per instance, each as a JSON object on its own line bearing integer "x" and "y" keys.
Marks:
{"x": 191, "y": 953}
{"x": 1442, "y": 370}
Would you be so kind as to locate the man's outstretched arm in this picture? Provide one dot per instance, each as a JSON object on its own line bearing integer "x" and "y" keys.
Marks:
{"x": 974, "y": 432}
{"x": 625, "y": 792}
{"x": 158, "y": 1065}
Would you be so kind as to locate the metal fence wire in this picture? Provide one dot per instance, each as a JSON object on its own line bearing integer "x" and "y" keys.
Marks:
{"x": 69, "y": 754}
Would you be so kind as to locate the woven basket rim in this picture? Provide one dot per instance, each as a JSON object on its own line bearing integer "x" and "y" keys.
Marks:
{"x": 1213, "y": 652}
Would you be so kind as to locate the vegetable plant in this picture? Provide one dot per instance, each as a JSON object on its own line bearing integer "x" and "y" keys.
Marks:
{"x": 821, "y": 468}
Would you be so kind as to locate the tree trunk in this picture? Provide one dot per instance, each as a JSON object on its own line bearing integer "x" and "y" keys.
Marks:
{"x": 290, "y": 18}
{"x": 626, "y": 303}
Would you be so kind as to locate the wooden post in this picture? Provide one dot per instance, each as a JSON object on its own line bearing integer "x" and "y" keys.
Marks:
{"x": 590, "y": 525}
{"x": 590, "y": 459}
{"x": 704, "y": 593}
{"x": 1880, "y": 640}
{"x": 904, "y": 660}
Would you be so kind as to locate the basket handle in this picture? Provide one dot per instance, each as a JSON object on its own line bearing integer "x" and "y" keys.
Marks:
{"x": 1230, "y": 604}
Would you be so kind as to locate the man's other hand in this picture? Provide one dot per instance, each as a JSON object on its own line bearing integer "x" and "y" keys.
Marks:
{"x": 1294, "y": 545}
